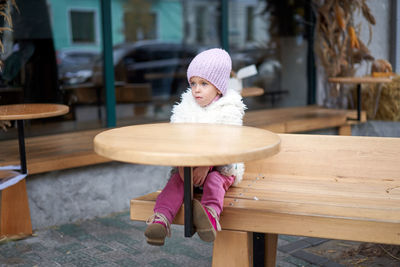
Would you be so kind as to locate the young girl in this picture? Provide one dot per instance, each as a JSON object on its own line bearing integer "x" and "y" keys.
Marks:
{"x": 207, "y": 101}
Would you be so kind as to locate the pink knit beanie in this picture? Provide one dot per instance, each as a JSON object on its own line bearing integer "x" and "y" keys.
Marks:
{"x": 214, "y": 65}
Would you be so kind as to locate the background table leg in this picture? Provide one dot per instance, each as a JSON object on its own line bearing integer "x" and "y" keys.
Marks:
{"x": 188, "y": 200}
{"x": 21, "y": 140}
{"x": 359, "y": 102}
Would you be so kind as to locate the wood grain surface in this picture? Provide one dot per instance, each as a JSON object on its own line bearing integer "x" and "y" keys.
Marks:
{"x": 31, "y": 111}
{"x": 183, "y": 144}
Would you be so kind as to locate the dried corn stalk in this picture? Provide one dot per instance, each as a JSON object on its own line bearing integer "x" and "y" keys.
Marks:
{"x": 337, "y": 44}
{"x": 5, "y": 12}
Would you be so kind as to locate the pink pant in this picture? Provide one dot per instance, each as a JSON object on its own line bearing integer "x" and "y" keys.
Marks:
{"x": 171, "y": 198}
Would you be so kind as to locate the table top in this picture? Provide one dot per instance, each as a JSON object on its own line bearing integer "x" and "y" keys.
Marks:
{"x": 31, "y": 111}
{"x": 252, "y": 91}
{"x": 366, "y": 79}
{"x": 182, "y": 144}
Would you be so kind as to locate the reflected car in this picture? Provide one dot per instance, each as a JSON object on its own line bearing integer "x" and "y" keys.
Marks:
{"x": 75, "y": 66}
{"x": 161, "y": 64}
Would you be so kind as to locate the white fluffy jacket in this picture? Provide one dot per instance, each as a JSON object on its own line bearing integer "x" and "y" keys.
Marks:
{"x": 229, "y": 109}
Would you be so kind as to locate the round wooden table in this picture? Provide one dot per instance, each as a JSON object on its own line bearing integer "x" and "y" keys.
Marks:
{"x": 15, "y": 216}
{"x": 31, "y": 111}
{"x": 359, "y": 81}
{"x": 186, "y": 145}
{"x": 20, "y": 112}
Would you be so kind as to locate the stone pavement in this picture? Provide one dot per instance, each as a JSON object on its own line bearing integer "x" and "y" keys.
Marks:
{"x": 117, "y": 241}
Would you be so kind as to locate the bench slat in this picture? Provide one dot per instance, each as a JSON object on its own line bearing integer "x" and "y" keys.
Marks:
{"x": 365, "y": 158}
{"x": 278, "y": 221}
{"x": 275, "y": 194}
{"x": 337, "y": 188}
{"x": 317, "y": 209}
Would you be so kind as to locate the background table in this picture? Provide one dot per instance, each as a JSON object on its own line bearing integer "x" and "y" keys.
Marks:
{"x": 359, "y": 81}
{"x": 186, "y": 145}
{"x": 252, "y": 91}
{"x": 15, "y": 216}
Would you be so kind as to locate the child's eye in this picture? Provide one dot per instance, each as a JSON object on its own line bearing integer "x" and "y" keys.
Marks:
{"x": 192, "y": 84}
{"x": 204, "y": 83}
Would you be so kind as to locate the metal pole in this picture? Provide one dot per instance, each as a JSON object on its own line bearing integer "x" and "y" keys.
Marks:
{"x": 108, "y": 65}
{"x": 258, "y": 249}
{"x": 188, "y": 200}
{"x": 311, "y": 70}
{"x": 21, "y": 141}
{"x": 224, "y": 25}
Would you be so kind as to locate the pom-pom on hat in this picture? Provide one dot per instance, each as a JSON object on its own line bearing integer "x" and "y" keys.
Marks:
{"x": 214, "y": 65}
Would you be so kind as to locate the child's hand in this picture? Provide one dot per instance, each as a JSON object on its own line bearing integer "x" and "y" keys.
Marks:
{"x": 180, "y": 170}
{"x": 199, "y": 175}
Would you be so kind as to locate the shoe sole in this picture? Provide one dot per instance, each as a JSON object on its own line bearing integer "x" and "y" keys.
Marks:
{"x": 154, "y": 242}
{"x": 154, "y": 236}
{"x": 202, "y": 223}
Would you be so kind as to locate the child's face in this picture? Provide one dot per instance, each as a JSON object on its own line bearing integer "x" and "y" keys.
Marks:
{"x": 203, "y": 91}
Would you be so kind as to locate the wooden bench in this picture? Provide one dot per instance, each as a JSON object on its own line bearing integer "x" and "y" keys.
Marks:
{"x": 75, "y": 149}
{"x": 302, "y": 119}
{"x": 336, "y": 187}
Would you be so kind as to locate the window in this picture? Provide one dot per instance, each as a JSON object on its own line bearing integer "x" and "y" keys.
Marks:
{"x": 83, "y": 26}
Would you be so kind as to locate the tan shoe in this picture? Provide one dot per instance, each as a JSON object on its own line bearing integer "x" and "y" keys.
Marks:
{"x": 204, "y": 227}
{"x": 158, "y": 229}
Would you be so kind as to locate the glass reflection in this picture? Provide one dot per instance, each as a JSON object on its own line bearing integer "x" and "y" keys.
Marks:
{"x": 54, "y": 55}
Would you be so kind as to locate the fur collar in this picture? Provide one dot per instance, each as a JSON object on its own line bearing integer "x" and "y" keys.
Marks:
{"x": 229, "y": 109}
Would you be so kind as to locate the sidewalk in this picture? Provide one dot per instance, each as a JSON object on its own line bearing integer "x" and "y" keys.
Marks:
{"x": 117, "y": 241}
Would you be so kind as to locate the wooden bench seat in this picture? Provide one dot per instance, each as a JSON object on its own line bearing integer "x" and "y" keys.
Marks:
{"x": 302, "y": 119}
{"x": 335, "y": 187}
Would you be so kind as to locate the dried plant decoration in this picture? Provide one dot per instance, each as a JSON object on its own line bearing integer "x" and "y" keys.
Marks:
{"x": 337, "y": 44}
{"x": 5, "y": 12}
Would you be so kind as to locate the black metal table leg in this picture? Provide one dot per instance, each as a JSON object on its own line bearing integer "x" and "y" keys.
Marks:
{"x": 359, "y": 102}
{"x": 187, "y": 200}
{"x": 258, "y": 249}
{"x": 21, "y": 140}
